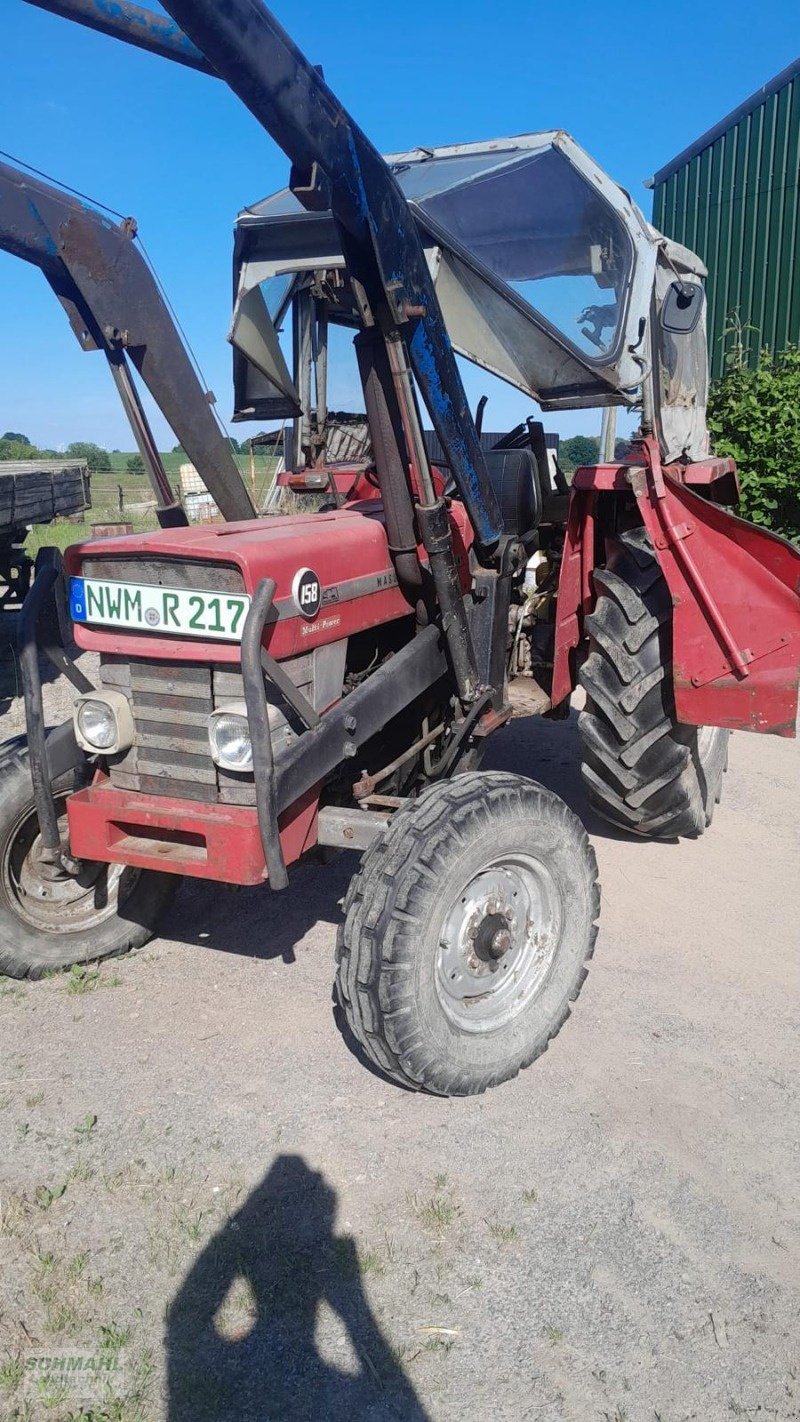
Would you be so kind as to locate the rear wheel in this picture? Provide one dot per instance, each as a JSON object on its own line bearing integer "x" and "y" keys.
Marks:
{"x": 467, "y": 933}
{"x": 49, "y": 922}
{"x": 643, "y": 769}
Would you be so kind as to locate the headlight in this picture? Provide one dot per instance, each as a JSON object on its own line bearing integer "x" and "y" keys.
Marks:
{"x": 229, "y": 738}
{"x": 103, "y": 722}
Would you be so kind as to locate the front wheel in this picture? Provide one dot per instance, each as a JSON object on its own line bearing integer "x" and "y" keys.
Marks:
{"x": 467, "y": 933}
{"x": 51, "y": 922}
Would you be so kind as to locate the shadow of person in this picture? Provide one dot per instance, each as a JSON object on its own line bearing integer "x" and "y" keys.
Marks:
{"x": 227, "y": 1362}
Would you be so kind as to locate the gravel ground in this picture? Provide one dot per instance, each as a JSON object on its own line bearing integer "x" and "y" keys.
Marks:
{"x": 205, "y": 1189}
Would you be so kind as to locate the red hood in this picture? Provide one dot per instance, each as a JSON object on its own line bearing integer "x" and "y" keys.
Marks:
{"x": 346, "y": 549}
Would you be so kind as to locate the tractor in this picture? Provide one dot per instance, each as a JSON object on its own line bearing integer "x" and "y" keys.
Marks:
{"x": 327, "y": 678}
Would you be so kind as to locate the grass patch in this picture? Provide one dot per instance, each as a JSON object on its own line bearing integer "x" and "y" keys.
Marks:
{"x": 111, "y": 1338}
{"x": 11, "y": 1374}
{"x": 46, "y": 1195}
{"x": 503, "y": 1233}
{"x": 80, "y": 1172}
{"x": 371, "y": 1262}
{"x": 85, "y": 1127}
{"x": 81, "y": 980}
{"x": 76, "y": 1267}
{"x": 440, "y": 1210}
{"x": 437, "y": 1213}
{"x": 13, "y": 990}
{"x": 441, "y": 1346}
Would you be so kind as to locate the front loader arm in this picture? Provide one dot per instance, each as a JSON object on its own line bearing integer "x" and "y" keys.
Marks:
{"x": 336, "y": 167}
{"x": 113, "y": 303}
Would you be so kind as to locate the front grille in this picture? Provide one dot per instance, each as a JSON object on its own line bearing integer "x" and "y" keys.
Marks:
{"x": 171, "y": 703}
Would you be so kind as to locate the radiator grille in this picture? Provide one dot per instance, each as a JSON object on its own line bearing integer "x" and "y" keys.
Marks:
{"x": 171, "y": 703}
{"x": 166, "y": 572}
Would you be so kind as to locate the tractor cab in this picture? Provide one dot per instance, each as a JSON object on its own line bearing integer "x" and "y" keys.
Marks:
{"x": 542, "y": 266}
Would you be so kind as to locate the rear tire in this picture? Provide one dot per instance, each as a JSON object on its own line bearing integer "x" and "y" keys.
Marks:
{"x": 48, "y": 924}
{"x": 644, "y": 771}
{"x": 467, "y": 933}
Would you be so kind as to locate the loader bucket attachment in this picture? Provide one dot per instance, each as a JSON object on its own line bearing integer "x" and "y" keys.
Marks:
{"x": 735, "y": 591}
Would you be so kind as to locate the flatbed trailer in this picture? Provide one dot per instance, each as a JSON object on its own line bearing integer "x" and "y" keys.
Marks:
{"x": 34, "y": 491}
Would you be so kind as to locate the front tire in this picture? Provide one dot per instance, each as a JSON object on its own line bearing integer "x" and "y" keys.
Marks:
{"x": 467, "y": 933}
{"x": 644, "y": 771}
{"x": 47, "y": 923}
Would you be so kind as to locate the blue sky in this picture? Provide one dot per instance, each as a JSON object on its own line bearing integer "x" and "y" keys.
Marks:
{"x": 633, "y": 83}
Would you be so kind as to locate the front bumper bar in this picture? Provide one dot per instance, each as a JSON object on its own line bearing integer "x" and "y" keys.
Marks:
{"x": 172, "y": 836}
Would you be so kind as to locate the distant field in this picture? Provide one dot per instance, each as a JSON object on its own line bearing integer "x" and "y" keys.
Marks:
{"x": 264, "y": 466}
{"x": 63, "y": 533}
{"x": 137, "y": 499}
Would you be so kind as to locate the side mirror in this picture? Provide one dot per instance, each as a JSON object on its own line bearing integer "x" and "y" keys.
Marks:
{"x": 682, "y": 307}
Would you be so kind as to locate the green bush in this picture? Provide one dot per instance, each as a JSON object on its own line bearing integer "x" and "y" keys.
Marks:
{"x": 754, "y": 415}
{"x": 579, "y": 450}
{"x": 98, "y": 460}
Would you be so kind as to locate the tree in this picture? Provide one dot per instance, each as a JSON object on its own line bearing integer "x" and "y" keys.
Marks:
{"x": 16, "y": 438}
{"x": 178, "y": 449}
{"x": 579, "y": 450}
{"x": 98, "y": 460}
{"x": 12, "y": 448}
{"x": 754, "y": 415}
{"x": 135, "y": 465}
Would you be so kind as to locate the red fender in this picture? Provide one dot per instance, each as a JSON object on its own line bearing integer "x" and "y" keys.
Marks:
{"x": 735, "y": 592}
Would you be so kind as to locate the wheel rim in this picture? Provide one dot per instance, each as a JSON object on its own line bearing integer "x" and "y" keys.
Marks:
{"x": 498, "y": 943}
{"x": 65, "y": 903}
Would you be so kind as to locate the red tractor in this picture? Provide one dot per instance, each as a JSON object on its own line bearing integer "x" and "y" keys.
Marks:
{"x": 330, "y": 678}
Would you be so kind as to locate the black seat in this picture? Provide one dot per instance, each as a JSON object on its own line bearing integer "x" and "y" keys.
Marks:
{"x": 514, "y": 476}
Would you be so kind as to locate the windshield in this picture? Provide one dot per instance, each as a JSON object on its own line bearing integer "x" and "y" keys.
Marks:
{"x": 275, "y": 291}
{"x": 540, "y": 227}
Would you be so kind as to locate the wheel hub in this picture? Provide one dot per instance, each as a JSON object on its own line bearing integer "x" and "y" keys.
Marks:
{"x": 51, "y": 899}
{"x": 493, "y": 938}
{"x": 497, "y": 943}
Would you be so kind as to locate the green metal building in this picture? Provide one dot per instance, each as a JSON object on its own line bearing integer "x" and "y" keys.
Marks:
{"x": 734, "y": 198}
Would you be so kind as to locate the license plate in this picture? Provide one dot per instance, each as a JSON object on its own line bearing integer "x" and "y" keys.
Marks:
{"x": 182, "y": 612}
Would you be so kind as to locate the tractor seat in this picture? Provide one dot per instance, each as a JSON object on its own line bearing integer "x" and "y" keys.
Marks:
{"x": 514, "y": 476}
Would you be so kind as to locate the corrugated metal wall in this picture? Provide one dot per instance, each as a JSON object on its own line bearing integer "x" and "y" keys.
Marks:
{"x": 736, "y": 202}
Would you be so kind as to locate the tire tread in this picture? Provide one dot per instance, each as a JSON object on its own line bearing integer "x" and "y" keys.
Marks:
{"x": 374, "y": 943}
{"x": 641, "y": 768}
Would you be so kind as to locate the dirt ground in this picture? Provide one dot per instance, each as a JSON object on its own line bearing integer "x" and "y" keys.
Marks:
{"x": 204, "y": 1189}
